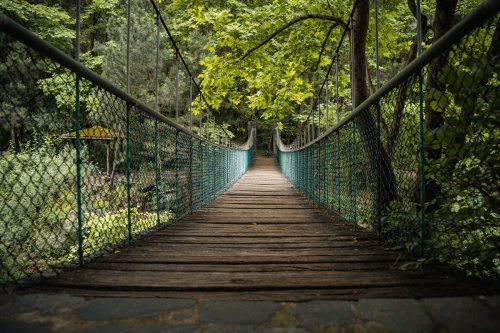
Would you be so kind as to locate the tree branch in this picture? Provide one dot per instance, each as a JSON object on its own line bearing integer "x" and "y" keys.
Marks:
{"x": 323, "y": 46}
{"x": 329, "y": 6}
{"x": 412, "y": 6}
{"x": 287, "y": 25}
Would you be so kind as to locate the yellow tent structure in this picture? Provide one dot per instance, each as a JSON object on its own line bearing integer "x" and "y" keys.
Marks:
{"x": 97, "y": 133}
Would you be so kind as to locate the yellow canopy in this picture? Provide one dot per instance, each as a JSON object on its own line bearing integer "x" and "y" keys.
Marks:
{"x": 95, "y": 133}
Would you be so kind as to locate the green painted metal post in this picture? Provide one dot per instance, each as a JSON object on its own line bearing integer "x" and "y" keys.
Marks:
{"x": 226, "y": 164}
{"x": 129, "y": 106}
{"x": 209, "y": 172}
{"x": 212, "y": 156}
{"x": 306, "y": 170}
{"x": 78, "y": 171}
{"x": 190, "y": 174}
{"x": 421, "y": 165}
{"x": 78, "y": 144}
{"x": 211, "y": 161}
{"x": 303, "y": 171}
{"x": 215, "y": 172}
{"x": 325, "y": 173}
{"x": 309, "y": 175}
{"x": 177, "y": 196}
{"x": 202, "y": 175}
{"x": 379, "y": 176}
{"x": 300, "y": 171}
{"x": 421, "y": 135}
{"x": 318, "y": 173}
{"x": 219, "y": 171}
{"x": 157, "y": 175}
{"x": 128, "y": 158}
{"x": 355, "y": 177}
{"x": 337, "y": 178}
{"x": 157, "y": 108}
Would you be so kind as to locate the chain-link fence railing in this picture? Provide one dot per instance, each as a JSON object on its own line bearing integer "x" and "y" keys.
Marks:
{"x": 418, "y": 162}
{"x": 84, "y": 167}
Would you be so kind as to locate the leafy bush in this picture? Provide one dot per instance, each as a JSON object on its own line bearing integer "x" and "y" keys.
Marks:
{"x": 101, "y": 231}
{"x": 37, "y": 206}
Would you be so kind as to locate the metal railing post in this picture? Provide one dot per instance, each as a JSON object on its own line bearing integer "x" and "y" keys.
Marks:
{"x": 128, "y": 158}
{"x": 202, "y": 175}
{"x": 379, "y": 138}
{"x": 78, "y": 142}
{"x": 337, "y": 178}
{"x": 157, "y": 175}
{"x": 421, "y": 135}
{"x": 354, "y": 176}
{"x": 157, "y": 76}
{"x": 215, "y": 175}
{"x": 190, "y": 174}
{"x": 326, "y": 156}
{"x": 379, "y": 177}
{"x": 127, "y": 130}
{"x": 318, "y": 173}
{"x": 177, "y": 188}
{"x": 309, "y": 175}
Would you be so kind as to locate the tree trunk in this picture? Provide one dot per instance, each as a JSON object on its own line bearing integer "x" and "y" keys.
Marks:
{"x": 378, "y": 158}
{"x": 93, "y": 20}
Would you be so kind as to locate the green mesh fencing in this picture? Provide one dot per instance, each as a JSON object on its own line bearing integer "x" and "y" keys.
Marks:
{"x": 418, "y": 162}
{"x": 84, "y": 169}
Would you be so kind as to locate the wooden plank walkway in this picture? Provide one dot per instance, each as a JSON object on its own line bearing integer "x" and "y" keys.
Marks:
{"x": 259, "y": 240}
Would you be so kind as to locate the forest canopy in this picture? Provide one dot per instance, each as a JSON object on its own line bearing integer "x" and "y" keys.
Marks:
{"x": 256, "y": 60}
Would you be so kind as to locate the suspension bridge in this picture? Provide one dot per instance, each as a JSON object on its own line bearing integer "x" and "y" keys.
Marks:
{"x": 261, "y": 239}
{"x": 355, "y": 211}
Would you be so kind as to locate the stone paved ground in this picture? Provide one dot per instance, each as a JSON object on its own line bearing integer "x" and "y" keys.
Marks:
{"x": 39, "y": 313}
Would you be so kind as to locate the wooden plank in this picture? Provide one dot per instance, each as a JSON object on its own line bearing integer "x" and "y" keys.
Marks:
{"x": 220, "y": 220}
{"x": 254, "y": 228}
{"x": 168, "y": 243}
{"x": 260, "y": 206}
{"x": 283, "y": 295}
{"x": 219, "y": 252}
{"x": 254, "y": 218}
{"x": 253, "y": 231}
{"x": 228, "y": 260}
{"x": 319, "y": 267}
{"x": 239, "y": 280}
{"x": 216, "y": 238}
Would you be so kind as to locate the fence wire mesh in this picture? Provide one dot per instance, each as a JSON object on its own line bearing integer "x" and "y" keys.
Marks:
{"x": 426, "y": 184}
{"x": 78, "y": 179}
